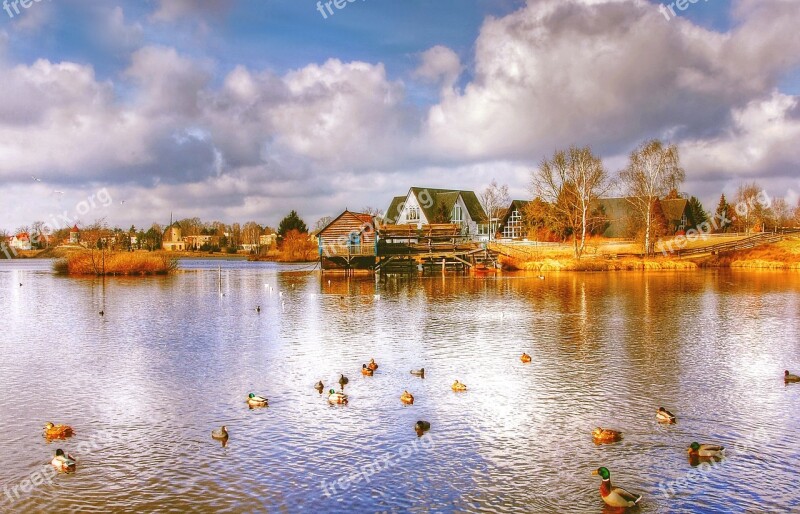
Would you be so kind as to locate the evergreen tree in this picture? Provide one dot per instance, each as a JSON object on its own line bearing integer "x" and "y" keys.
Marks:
{"x": 292, "y": 222}
{"x": 722, "y": 215}
{"x": 697, "y": 215}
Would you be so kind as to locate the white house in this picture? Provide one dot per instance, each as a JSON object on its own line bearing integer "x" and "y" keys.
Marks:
{"x": 424, "y": 206}
{"x": 20, "y": 241}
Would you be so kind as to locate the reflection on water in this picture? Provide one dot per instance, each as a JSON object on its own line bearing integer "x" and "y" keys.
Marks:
{"x": 172, "y": 359}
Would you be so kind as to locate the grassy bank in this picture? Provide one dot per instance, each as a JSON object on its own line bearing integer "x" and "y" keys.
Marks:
{"x": 117, "y": 263}
{"x": 784, "y": 255}
{"x": 589, "y": 264}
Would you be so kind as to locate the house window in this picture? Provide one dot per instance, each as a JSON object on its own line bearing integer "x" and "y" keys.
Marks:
{"x": 513, "y": 227}
{"x": 413, "y": 214}
{"x": 458, "y": 216}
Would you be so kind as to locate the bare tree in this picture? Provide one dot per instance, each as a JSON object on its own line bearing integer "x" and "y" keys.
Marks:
{"x": 751, "y": 205}
{"x": 494, "y": 200}
{"x": 322, "y": 223}
{"x": 372, "y": 211}
{"x": 251, "y": 232}
{"x": 781, "y": 213}
{"x": 653, "y": 171}
{"x": 570, "y": 183}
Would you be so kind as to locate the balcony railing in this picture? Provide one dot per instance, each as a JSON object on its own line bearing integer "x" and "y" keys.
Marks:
{"x": 338, "y": 250}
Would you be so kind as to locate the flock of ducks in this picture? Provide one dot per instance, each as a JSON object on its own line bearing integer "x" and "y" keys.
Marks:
{"x": 613, "y": 496}
{"x": 620, "y": 498}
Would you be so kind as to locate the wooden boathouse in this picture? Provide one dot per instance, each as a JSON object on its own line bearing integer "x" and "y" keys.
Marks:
{"x": 356, "y": 241}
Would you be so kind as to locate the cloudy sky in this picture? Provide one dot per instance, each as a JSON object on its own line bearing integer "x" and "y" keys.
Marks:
{"x": 238, "y": 110}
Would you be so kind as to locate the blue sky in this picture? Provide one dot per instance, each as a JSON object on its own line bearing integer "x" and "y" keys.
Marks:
{"x": 239, "y": 110}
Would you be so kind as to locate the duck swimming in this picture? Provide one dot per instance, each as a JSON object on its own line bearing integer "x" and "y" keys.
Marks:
{"x": 254, "y": 400}
{"x": 706, "y": 451}
{"x": 665, "y": 416}
{"x": 525, "y": 358}
{"x": 52, "y": 431}
{"x": 407, "y": 398}
{"x": 367, "y": 372}
{"x": 606, "y": 435}
{"x": 615, "y": 496}
{"x": 422, "y": 426}
{"x": 319, "y": 386}
{"x": 63, "y": 462}
{"x": 343, "y": 380}
{"x": 339, "y": 398}
{"x": 372, "y": 365}
{"x": 221, "y": 434}
{"x": 418, "y": 372}
{"x": 788, "y": 377}
{"x": 458, "y": 386}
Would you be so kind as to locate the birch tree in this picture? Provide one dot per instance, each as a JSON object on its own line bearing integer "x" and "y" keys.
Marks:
{"x": 494, "y": 200}
{"x": 570, "y": 183}
{"x": 653, "y": 171}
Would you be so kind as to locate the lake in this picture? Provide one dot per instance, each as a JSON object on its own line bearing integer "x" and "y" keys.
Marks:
{"x": 175, "y": 357}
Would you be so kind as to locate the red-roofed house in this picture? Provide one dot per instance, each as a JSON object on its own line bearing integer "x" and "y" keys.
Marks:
{"x": 21, "y": 241}
{"x": 74, "y": 235}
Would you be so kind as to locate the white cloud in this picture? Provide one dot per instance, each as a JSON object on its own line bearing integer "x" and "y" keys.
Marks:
{"x": 439, "y": 65}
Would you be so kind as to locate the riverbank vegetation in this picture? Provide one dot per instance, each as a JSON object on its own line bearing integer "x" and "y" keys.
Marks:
{"x": 93, "y": 262}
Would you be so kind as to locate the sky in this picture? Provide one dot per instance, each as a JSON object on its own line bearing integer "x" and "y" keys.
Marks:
{"x": 134, "y": 111}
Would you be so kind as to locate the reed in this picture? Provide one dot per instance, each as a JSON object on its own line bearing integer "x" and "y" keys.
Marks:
{"x": 116, "y": 263}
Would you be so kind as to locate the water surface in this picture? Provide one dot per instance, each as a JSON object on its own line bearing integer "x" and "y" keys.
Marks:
{"x": 174, "y": 357}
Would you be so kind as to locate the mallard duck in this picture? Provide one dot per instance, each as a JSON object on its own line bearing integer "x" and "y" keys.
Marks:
{"x": 221, "y": 434}
{"x": 319, "y": 386}
{"x": 367, "y": 372}
{"x": 615, "y": 496}
{"x": 458, "y": 386}
{"x": 335, "y": 397}
{"x": 372, "y": 365}
{"x": 665, "y": 416}
{"x": 525, "y": 357}
{"x": 422, "y": 426}
{"x": 706, "y": 451}
{"x": 407, "y": 398}
{"x": 418, "y": 372}
{"x": 788, "y": 377}
{"x": 52, "y": 431}
{"x": 343, "y": 380}
{"x": 606, "y": 435}
{"x": 63, "y": 462}
{"x": 254, "y": 400}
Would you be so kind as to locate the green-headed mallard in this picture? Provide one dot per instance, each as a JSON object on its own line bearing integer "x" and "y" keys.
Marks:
{"x": 615, "y": 496}
{"x": 63, "y": 462}
{"x": 706, "y": 451}
{"x": 253, "y": 400}
{"x": 52, "y": 431}
{"x": 665, "y": 416}
{"x": 606, "y": 435}
{"x": 788, "y": 377}
{"x": 334, "y": 397}
{"x": 407, "y": 398}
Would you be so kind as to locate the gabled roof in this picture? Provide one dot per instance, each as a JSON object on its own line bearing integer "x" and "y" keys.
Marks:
{"x": 393, "y": 211}
{"x": 674, "y": 209}
{"x": 74, "y": 229}
{"x": 516, "y": 205}
{"x": 443, "y": 200}
{"x": 359, "y": 216}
